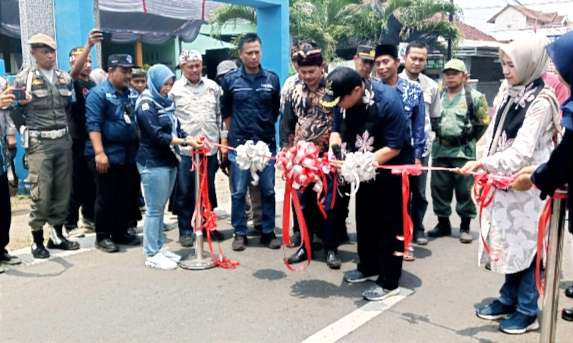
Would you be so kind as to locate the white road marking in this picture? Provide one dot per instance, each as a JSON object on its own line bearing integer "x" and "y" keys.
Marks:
{"x": 356, "y": 319}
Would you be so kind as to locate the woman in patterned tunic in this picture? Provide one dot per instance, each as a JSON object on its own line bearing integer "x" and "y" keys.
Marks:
{"x": 520, "y": 134}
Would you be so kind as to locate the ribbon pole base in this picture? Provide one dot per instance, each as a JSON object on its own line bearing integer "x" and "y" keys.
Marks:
{"x": 199, "y": 259}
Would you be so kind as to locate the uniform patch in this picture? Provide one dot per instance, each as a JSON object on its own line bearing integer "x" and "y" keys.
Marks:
{"x": 145, "y": 107}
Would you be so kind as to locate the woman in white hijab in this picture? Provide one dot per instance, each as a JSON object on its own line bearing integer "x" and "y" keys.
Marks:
{"x": 520, "y": 134}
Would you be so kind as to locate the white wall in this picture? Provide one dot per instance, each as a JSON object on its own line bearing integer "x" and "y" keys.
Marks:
{"x": 510, "y": 19}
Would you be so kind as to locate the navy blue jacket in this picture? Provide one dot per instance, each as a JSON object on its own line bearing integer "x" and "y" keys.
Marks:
{"x": 252, "y": 102}
{"x": 110, "y": 112}
{"x": 376, "y": 123}
{"x": 156, "y": 132}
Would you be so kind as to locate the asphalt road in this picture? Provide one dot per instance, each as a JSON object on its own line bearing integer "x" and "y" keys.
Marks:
{"x": 91, "y": 296}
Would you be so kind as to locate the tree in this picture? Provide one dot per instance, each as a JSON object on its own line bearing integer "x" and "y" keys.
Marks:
{"x": 347, "y": 23}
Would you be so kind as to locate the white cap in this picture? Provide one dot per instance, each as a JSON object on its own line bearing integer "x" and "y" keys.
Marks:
{"x": 187, "y": 56}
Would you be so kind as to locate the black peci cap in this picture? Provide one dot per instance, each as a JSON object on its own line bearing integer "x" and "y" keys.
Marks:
{"x": 340, "y": 82}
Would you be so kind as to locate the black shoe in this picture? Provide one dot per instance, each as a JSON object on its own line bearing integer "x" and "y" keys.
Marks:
{"x": 132, "y": 231}
{"x": 239, "y": 243}
{"x": 420, "y": 237}
{"x": 332, "y": 260}
{"x": 62, "y": 244}
{"x": 444, "y": 228}
{"x": 40, "y": 251}
{"x": 270, "y": 240}
{"x": 295, "y": 239}
{"x": 186, "y": 240}
{"x": 298, "y": 257}
{"x": 569, "y": 292}
{"x": 6, "y": 258}
{"x": 58, "y": 241}
{"x": 127, "y": 239}
{"x": 216, "y": 235}
{"x": 106, "y": 245}
{"x": 567, "y": 314}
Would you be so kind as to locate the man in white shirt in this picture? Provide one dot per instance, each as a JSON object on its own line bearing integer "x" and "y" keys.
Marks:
{"x": 197, "y": 107}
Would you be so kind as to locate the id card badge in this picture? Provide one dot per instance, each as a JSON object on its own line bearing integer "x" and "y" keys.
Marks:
{"x": 127, "y": 119}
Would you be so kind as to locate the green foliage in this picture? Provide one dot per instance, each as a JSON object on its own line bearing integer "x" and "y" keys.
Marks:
{"x": 347, "y": 23}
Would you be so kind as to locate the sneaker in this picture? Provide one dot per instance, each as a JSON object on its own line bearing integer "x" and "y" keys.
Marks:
{"x": 270, "y": 240}
{"x": 186, "y": 240}
{"x": 170, "y": 255}
{"x": 239, "y": 243}
{"x": 420, "y": 237}
{"x": 495, "y": 310}
{"x": 377, "y": 293}
{"x": 519, "y": 323}
{"x": 465, "y": 237}
{"x": 160, "y": 261}
{"x": 356, "y": 276}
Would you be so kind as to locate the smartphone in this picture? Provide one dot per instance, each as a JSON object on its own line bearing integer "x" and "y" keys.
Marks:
{"x": 19, "y": 93}
{"x": 106, "y": 36}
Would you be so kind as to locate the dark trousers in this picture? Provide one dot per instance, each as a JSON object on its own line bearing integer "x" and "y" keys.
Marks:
{"x": 315, "y": 221}
{"x": 340, "y": 213}
{"x": 378, "y": 223}
{"x": 5, "y": 212}
{"x": 135, "y": 184}
{"x": 184, "y": 196}
{"x": 83, "y": 187}
{"x": 419, "y": 202}
{"x": 115, "y": 198}
{"x": 445, "y": 184}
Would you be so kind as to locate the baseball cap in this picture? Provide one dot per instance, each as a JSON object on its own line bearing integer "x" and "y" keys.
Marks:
{"x": 366, "y": 52}
{"x": 120, "y": 60}
{"x": 455, "y": 64}
{"x": 225, "y": 66}
{"x": 40, "y": 39}
{"x": 340, "y": 82}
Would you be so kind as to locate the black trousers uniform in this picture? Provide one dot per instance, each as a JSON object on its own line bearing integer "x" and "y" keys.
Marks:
{"x": 115, "y": 201}
{"x": 378, "y": 223}
{"x": 5, "y": 212}
{"x": 83, "y": 187}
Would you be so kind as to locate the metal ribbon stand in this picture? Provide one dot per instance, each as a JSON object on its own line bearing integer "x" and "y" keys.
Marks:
{"x": 553, "y": 271}
{"x": 199, "y": 259}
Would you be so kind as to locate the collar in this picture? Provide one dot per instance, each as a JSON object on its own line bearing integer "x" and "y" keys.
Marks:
{"x": 189, "y": 83}
{"x": 110, "y": 86}
{"x": 261, "y": 72}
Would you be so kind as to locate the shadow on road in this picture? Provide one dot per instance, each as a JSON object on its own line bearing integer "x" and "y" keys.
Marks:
{"x": 269, "y": 274}
{"x": 56, "y": 260}
{"x": 415, "y": 319}
{"x": 323, "y": 289}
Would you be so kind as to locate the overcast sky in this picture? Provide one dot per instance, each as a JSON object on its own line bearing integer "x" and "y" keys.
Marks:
{"x": 477, "y": 12}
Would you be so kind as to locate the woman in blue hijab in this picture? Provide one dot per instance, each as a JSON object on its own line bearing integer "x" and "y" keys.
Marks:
{"x": 558, "y": 171}
{"x": 157, "y": 160}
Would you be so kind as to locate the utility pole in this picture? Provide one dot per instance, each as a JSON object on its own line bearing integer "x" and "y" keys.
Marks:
{"x": 450, "y": 19}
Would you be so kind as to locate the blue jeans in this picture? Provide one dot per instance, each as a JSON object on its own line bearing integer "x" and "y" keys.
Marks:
{"x": 519, "y": 290}
{"x": 184, "y": 199}
{"x": 239, "y": 181}
{"x": 157, "y": 183}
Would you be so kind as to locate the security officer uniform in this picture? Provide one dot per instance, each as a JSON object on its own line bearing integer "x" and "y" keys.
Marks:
{"x": 49, "y": 150}
{"x": 463, "y": 120}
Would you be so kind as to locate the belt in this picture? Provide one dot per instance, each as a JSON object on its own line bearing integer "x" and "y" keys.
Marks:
{"x": 48, "y": 134}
